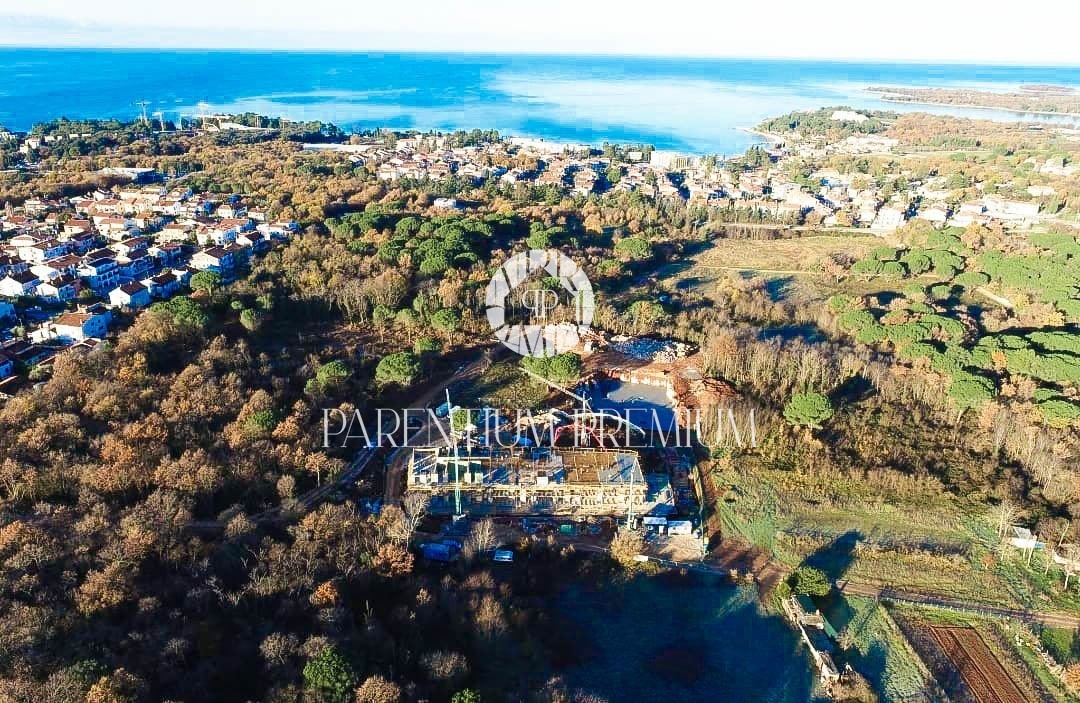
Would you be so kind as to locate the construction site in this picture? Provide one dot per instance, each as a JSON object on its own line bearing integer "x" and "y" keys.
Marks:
{"x": 535, "y": 481}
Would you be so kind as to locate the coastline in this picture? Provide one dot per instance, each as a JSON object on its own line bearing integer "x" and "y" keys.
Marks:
{"x": 767, "y": 136}
{"x": 892, "y": 98}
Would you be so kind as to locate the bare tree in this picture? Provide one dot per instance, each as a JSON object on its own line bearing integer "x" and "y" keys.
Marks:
{"x": 402, "y": 521}
{"x": 1003, "y": 516}
{"x": 482, "y": 537}
{"x": 1071, "y": 554}
{"x": 626, "y": 546}
{"x": 415, "y": 506}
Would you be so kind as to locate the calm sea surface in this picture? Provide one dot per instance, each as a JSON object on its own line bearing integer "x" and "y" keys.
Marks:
{"x": 685, "y": 104}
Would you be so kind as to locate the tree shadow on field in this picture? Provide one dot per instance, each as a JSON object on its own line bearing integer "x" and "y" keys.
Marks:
{"x": 836, "y": 557}
{"x": 853, "y": 389}
{"x": 779, "y": 288}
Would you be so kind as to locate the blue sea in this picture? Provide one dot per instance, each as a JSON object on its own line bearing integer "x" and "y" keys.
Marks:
{"x": 696, "y": 105}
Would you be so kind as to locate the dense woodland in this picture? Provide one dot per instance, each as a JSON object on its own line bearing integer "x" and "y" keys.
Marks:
{"x": 208, "y": 408}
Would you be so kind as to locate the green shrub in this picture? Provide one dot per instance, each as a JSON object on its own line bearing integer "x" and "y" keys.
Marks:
{"x": 972, "y": 279}
{"x": 808, "y": 581}
{"x": 1059, "y": 643}
{"x": 808, "y": 410}
{"x": 970, "y": 391}
{"x": 331, "y": 675}
{"x": 261, "y": 423}
{"x": 856, "y": 319}
{"x": 562, "y": 368}
{"x": 893, "y": 269}
{"x": 402, "y": 368}
{"x": 1060, "y": 412}
{"x": 872, "y": 334}
{"x": 425, "y": 345}
{"x": 867, "y": 267}
{"x": 1057, "y": 242}
{"x": 916, "y": 262}
{"x": 633, "y": 249}
{"x": 840, "y": 302}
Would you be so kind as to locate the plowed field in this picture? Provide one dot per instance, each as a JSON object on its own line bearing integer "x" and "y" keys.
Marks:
{"x": 982, "y": 672}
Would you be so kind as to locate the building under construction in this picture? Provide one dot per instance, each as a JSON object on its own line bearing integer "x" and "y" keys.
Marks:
{"x": 532, "y": 481}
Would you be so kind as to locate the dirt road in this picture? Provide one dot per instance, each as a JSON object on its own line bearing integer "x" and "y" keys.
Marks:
{"x": 1051, "y": 619}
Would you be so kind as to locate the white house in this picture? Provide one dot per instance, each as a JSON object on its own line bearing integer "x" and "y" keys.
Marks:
{"x": 162, "y": 285}
{"x": 1002, "y": 209}
{"x": 101, "y": 273}
{"x": 889, "y": 218}
{"x": 18, "y": 283}
{"x": 59, "y": 289}
{"x": 130, "y": 295}
{"x": 77, "y": 326}
{"x": 1023, "y": 538}
{"x": 938, "y": 214}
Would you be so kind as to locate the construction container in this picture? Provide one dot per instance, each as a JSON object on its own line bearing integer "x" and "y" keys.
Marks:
{"x": 680, "y": 527}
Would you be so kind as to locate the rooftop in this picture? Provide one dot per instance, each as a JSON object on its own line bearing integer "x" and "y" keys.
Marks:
{"x": 535, "y": 466}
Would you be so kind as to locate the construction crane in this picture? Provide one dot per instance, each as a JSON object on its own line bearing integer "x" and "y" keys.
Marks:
{"x": 588, "y": 414}
{"x": 457, "y": 462}
{"x": 143, "y": 104}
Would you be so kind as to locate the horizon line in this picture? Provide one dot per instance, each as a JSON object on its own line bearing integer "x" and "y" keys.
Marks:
{"x": 553, "y": 53}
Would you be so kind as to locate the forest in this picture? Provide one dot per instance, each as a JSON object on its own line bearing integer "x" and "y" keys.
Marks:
{"x": 207, "y": 409}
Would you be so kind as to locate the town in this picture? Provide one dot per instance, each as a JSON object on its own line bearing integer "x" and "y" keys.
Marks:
{"x": 67, "y": 266}
{"x": 70, "y": 265}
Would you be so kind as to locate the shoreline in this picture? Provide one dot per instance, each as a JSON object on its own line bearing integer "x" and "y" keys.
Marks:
{"x": 768, "y": 136}
{"x": 892, "y": 98}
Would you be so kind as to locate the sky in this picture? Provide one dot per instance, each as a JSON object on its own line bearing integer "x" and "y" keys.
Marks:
{"x": 911, "y": 31}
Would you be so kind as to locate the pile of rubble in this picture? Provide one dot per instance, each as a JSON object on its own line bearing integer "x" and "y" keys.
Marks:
{"x": 658, "y": 350}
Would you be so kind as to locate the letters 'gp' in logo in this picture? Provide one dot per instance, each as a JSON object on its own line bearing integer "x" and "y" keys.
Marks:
{"x": 539, "y": 340}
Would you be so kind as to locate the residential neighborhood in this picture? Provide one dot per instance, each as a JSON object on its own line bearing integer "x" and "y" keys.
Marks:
{"x": 766, "y": 191}
{"x": 71, "y": 268}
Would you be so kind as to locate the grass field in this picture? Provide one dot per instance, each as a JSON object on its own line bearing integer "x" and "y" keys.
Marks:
{"x": 797, "y": 255}
{"x": 878, "y": 650}
{"x": 932, "y": 543}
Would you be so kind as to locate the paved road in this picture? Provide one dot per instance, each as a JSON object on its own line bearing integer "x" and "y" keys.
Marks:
{"x": 304, "y": 503}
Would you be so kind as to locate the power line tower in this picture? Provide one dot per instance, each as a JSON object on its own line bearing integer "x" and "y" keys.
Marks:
{"x": 161, "y": 119}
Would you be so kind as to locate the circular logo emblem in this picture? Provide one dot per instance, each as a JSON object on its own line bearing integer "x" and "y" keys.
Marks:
{"x": 537, "y": 337}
